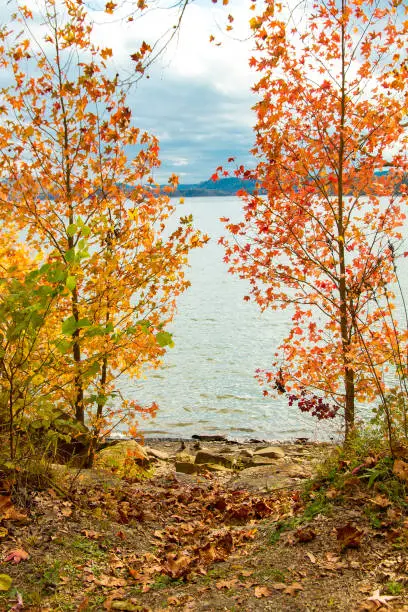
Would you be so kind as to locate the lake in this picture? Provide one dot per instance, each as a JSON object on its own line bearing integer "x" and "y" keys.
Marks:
{"x": 206, "y": 384}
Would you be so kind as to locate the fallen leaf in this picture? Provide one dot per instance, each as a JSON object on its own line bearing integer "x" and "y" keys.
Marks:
{"x": 248, "y": 584}
{"x": 91, "y": 534}
{"x": 355, "y": 565}
{"x": 311, "y": 556}
{"x": 174, "y": 601}
{"x": 278, "y": 586}
{"x": 333, "y": 563}
{"x": 84, "y": 605}
{"x": 332, "y": 557}
{"x": 262, "y": 591}
{"x": 208, "y": 554}
{"x": 349, "y": 536}
{"x": 177, "y": 565}
{"x": 293, "y": 588}
{"x": 305, "y": 535}
{"x": 400, "y": 469}
{"x": 381, "y": 501}
{"x": 7, "y": 510}
{"x": 17, "y": 555}
{"x": 3, "y": 532}
{"x": 5, "y": 582}
{"x": 110, "y": 581}
{"x": 394, "y": 514}
{"x": 226, "y": 584}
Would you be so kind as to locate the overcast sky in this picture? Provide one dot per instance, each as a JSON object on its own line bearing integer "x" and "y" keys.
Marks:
{"x": 198, "y": 97}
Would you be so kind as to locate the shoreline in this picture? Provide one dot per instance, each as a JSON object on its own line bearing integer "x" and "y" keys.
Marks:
{"x": 220, "y": 439}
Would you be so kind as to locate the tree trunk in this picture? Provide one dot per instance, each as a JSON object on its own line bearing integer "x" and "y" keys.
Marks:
{"x": 345, "y": 322}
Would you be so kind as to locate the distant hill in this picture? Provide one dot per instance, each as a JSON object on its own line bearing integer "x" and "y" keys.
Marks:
{"x": 230, "y": 185}
{"x": 224, "y": 187}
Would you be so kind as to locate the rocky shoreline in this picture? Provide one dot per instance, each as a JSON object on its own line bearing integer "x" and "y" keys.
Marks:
{"x": 253, "y": 465}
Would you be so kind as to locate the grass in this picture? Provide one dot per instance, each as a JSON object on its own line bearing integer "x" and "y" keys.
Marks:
{"x": 87, "y": 548}
{"x": 394, "y": 588}
{"x": 281, "y": 526}
{"x": 272, "y": 573}
{"x": 163, "y": 581}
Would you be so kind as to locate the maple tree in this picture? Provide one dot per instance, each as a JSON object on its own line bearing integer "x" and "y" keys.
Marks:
{"x": 322, "y": 232}
{"x": 28, "y": 296}
{"x": 88, "y": 210}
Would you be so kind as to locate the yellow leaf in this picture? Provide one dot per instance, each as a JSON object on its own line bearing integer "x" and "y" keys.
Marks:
{"x": 5, "y": 582}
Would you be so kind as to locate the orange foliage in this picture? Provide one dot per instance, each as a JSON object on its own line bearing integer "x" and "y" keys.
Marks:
{"x": 323, "y": 231}
{"x": 72, "y": 188}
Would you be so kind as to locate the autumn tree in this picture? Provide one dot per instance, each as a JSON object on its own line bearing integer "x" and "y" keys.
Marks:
{"x": 322, "y": 232}
{"x": 77, "y": 179}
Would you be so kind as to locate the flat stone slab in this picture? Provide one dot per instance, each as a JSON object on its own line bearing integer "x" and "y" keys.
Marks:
{"x": 184, "y": 458}
{"x": 246, "y": 452}
{"x": 260, "y": 460}
{"x": 214, "y": 467}
{"x": 262, "y": 477}
{"x": 200, "y": 468}
{"x": 186, "y": 467}
{"x": 272, "y": 452}
{"x": 207, "y": 457}
{"x": 157, "y": 454}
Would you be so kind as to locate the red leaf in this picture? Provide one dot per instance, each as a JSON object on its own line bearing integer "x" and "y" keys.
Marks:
{"x": 16, "y": 555}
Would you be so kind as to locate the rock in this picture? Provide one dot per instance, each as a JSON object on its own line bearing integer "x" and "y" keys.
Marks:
{"x": 214, "y": 438}
{"x": 260, "y": 460}
{"x": 257, "y": 461}
{"x": 260, "y": 478}
{"x": 184, "y": 458}
{"x": 246, "y": 452}
{"x": 214, "y": 467}
{"x": 213, "y": 458}
{"x": 273, "y": 452}
{"x": 298, "y": 471}
{"x": 126, "y": 458}
{"x": 186, "y": 467}
{"x": 157, "y": 454}
{"x": 245, "y": 462}
{"x": 225, "y": 449}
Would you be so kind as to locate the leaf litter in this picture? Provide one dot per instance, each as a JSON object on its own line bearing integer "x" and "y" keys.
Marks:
{"x": 172, "y": 544}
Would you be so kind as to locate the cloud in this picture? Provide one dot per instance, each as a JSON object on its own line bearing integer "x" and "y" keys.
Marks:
{"x": 197, "y": 98}
{"x": 194, "y": 123}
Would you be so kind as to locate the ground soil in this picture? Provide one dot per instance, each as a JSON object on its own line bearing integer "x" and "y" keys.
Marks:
{"x": 232, "y": 541}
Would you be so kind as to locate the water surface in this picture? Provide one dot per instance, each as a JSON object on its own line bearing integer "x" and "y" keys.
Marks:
{"x": 206, "y": 384}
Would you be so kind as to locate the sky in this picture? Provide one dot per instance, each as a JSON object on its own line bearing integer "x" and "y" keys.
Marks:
{"x": 197, "y": 99}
